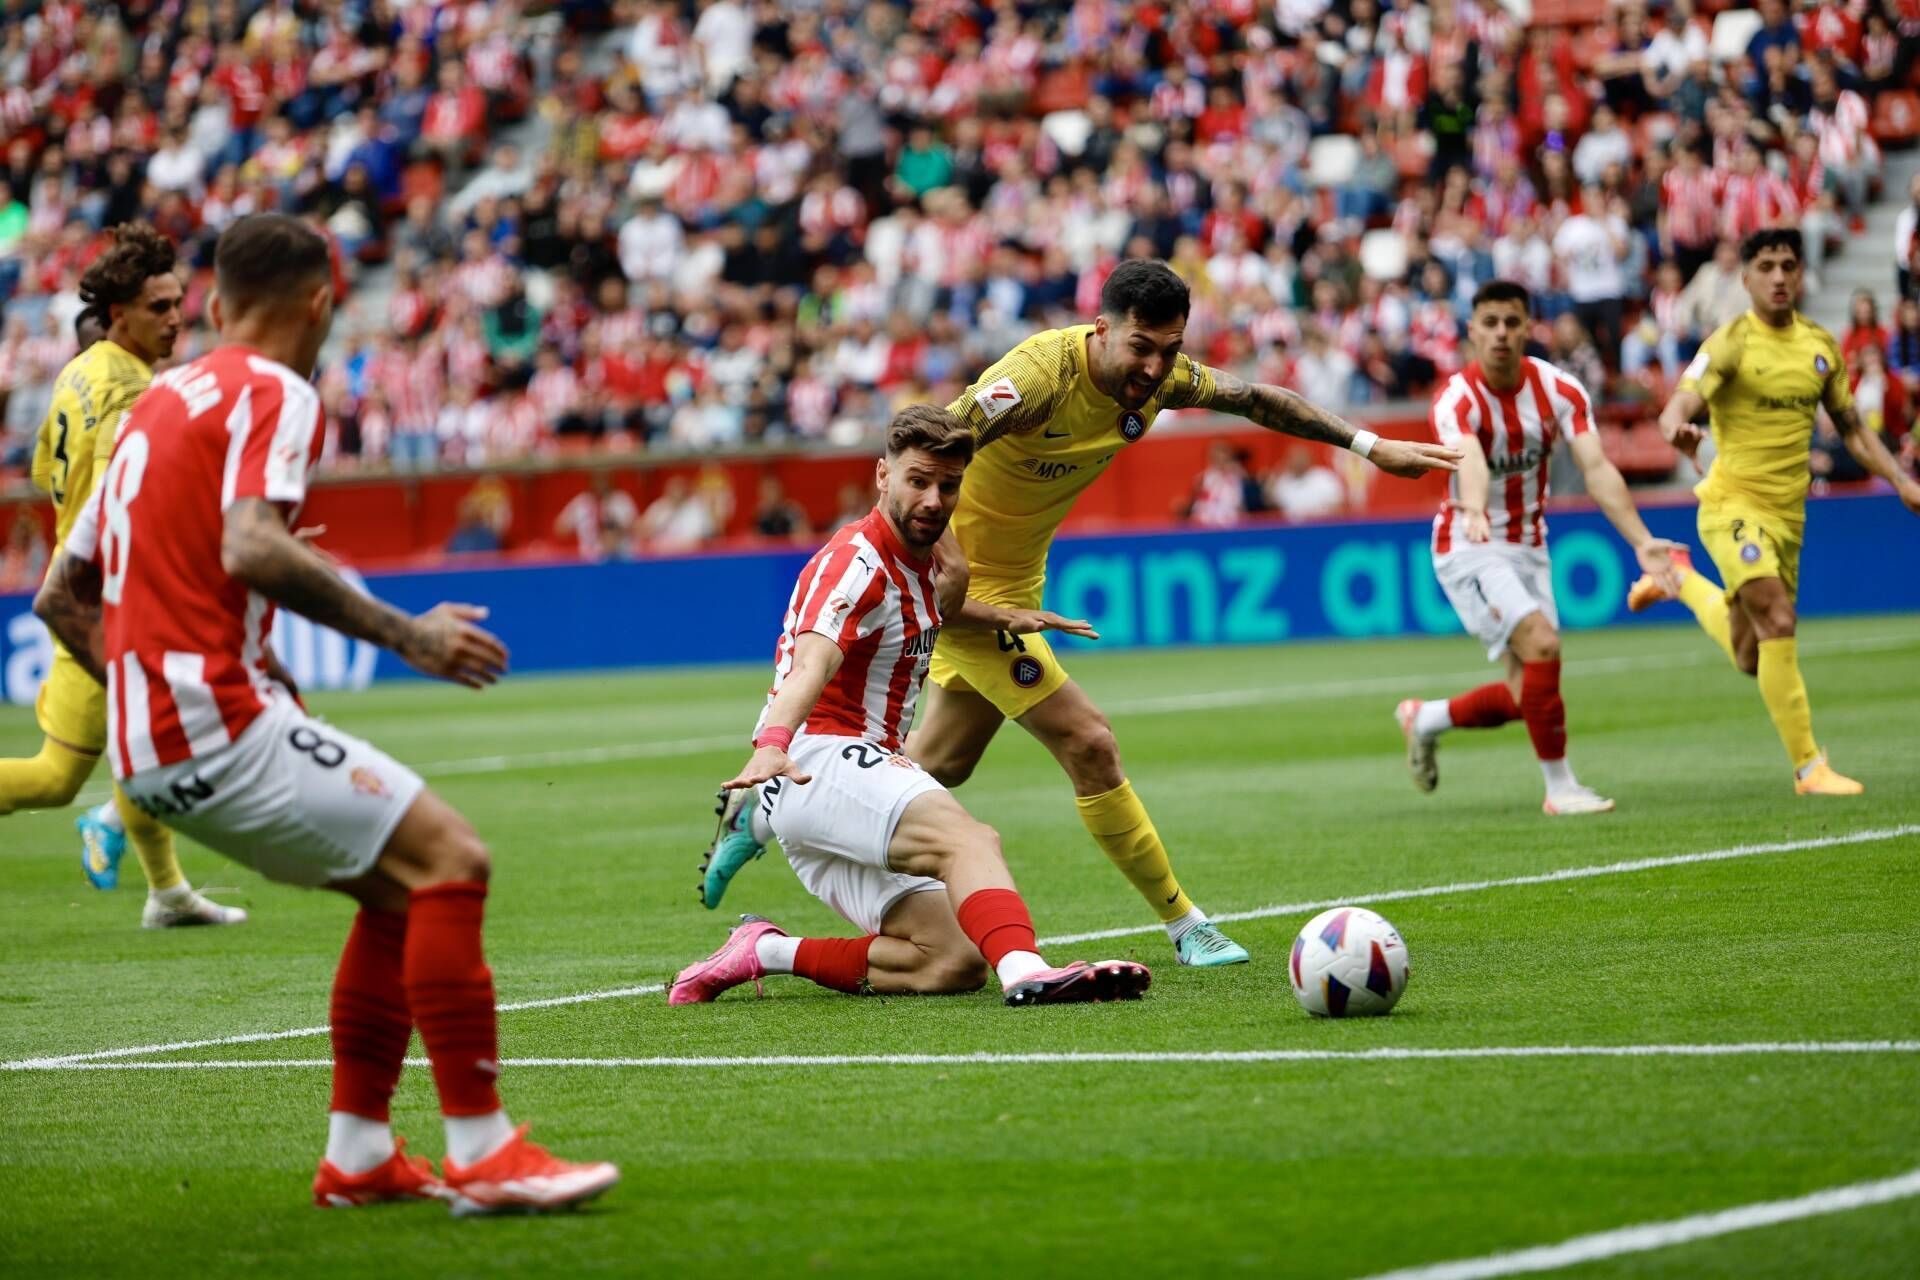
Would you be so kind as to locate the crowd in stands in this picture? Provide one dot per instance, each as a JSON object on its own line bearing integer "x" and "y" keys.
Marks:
{"x": 704, "y": 224}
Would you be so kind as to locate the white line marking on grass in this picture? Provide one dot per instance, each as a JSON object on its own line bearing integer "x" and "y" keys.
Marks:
{"x": 1295, "y": 908}
{"x": 1509, "y": 882}
{"x": 297, "y": 1033}
{"x": 1665, "y": 1235}
{"x": 1090, "y": 1058}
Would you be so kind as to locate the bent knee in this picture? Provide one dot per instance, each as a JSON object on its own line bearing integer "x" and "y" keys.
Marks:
{"x": 948, "y": 770}
{"x": 950, "y": 973}
{"x": 1091, "y": 751}
{"x": 457, "y": 853}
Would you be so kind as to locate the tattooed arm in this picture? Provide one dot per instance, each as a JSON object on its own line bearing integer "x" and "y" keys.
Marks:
{"x": 1865, "y": 444}
{"x": 256, "y": 548}
{"x": 1278, "y": 409}
{"x": 69, "y": 603}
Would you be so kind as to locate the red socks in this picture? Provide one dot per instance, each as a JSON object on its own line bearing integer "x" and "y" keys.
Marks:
{"x": 450, "y": 991}
{"x": 1541, "y": 707}
{"x": 997, "y": 922}
{"x": 837, "y": 963}
{"x": 368, "y": 1016}
{"x": 1488, "y": 707}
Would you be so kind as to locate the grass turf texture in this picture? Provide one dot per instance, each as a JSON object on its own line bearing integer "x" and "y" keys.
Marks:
{"x": 1276, "y": 790}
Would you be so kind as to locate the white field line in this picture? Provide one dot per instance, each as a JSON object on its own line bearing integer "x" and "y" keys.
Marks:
{"x": 1665, "y": 1235}
{"x": 1170, "y": 704}
{"x": 1212, "y": 1057}
{"x": 1509, "y": 882}
{"x": 1390, "y": 895}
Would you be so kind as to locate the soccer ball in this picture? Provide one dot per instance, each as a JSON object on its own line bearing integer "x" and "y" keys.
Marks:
{"x": 1348, "y": 961}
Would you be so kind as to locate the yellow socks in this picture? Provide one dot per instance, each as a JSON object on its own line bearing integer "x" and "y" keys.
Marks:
{"x": 1785, "y": 694}
{"x": 49, "y": 780}
{"x": 1709, "y": 605}
{"x": 152, "y": 844}
{"x": 1119, "y": 822}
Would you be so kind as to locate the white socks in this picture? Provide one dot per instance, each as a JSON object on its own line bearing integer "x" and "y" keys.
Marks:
{"x": 356, "y": 1144}
{"x": 776, "y": 954}
{"x": 1559, "y": 776}
{"x": 1017, "y": 966}
{"x": 108, "y": 816}
{"x": 1432, "y": 719}
{"x": 178, "y": 898}
{"x": 757, "y": 821}
{"x": 471, "y": 1139}
{"x": 1178, "y": 929}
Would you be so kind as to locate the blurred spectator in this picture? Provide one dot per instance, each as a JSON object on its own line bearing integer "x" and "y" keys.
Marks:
{"x": 1322, "y": 372}
{"x": 1590, "y": 246}
{"x": 678, "y": 520}
{"x": 1881, "y": 397}
{"x": 1906, "y": 244}
{"x": 24, "y": 558}
{"x": 1715, "y": 295}
{"x": 1305, "y": 488}
{"x": 486, "y": 513}
{"x": 777, "y": 515}
{"x": 1225, "y": 492}
{"x": 1573, "y": 350}
{"x": 1863, "y": 327}
{"x": 856, "y": 503}
{"x": 600, "y": 520}
{"x": 1903, "y": 346}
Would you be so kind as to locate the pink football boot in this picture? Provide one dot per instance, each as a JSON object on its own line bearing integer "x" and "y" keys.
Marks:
{"x": 736, "y": 961}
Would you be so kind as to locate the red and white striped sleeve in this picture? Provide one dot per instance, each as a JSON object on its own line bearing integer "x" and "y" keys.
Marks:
{"x": 1571, "y": 405}
{"x": 1452, "y": 415}
{"x": 271, "y": 431}
{"x": 845, "y": 585}
{"x": 83, "y": 540}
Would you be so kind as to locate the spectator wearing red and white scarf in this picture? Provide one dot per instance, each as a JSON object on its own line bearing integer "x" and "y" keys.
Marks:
{"x": 1840, "y": 117}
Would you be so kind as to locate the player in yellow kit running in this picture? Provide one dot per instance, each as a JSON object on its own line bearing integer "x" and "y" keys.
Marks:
{"x": 132, "y": 293}
{"x": 1763, "y": 377}
{"x": 1050, "y": 417}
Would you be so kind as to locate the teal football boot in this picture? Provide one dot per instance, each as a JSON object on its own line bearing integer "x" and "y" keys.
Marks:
{"x": 733, "y": 844}
{"x": 1205, "y": 947}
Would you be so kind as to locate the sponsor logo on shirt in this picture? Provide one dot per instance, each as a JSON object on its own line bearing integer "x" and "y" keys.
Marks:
{"x": 368, "y": 783}
{"x": 997, "y": 397}
{"x": 1501, "y": 464}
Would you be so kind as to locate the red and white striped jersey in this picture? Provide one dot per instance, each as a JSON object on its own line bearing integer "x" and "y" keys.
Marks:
{"x": 186, "y": 642}
{"x": 866, "y": 594}
{"x": 1692, "y": 205}
{"x": 1517, "y": 430}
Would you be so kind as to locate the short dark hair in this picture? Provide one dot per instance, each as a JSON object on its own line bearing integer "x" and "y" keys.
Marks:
{"x": 265, "y": 255}
{"x": 1146, "y": 289}
{"x": 1503, "y": 291}
{"x": 94, "y": 316}
{"x": 930, "y": 429}
{"x": 1766, "y": 238}
{"x": 117, "y": 276}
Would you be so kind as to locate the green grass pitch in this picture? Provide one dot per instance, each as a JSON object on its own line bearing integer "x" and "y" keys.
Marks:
{"x": 1275, "y": 776}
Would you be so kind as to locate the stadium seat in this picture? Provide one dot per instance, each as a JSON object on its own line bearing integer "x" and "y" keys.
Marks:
{"x": 1568, "y": 13}
{"x": 1413, "y": 156}
{"x": 1896, "y": 118}
{"x": 1332, "y": 161}
{"x": 1732, "y": 30}
{"x": 1383, "y": 255}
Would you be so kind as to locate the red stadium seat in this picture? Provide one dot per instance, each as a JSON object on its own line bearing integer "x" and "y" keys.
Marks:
{"x": 1896, "y": 118}
{"x": 1568, "y": 13}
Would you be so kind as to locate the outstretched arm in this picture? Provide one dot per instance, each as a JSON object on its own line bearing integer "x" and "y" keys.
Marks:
{"x": 69, "y": 603}
{"x": 1278, "y": 409}
{"x": 1677, "y": 420}
{"x": 1865, "y": 444}
{"x": 256, "y": 548}
{"x": 815, "y": 660}
{"x": 1608, "y": 489}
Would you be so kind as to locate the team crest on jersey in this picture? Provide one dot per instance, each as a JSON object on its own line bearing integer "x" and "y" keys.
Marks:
{"x": 1750, "y": 552}
{"x": 1820, "y": 365}
{"x": 1132, "y": 425}
{"x": 1027, "y": 671}
{"x": 369, "y": 783}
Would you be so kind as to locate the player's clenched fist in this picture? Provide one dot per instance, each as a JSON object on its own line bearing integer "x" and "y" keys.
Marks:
{"x": 765, "y": 764}
{"x": 444, "y": 642}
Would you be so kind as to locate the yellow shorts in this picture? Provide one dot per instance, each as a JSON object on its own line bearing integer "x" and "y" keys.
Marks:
{"x": 72, "y": 707}
{"x": 1748, "y": 542}
{"x": 1014, "y": 673}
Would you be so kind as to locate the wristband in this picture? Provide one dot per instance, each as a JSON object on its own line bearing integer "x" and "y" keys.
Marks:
{"x": 1363, "y": 442}
{"x": 773, "y": 736}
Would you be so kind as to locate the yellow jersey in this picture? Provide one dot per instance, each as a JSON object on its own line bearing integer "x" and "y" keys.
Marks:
{"x": 89, "y": 398}
{"x": 1045, "y": 433}
{"x": 1763, "y": 386}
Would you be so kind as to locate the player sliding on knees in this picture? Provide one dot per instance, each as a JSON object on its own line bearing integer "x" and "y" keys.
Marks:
{"x": 1504, "y": 412}
{"x": 869, "y": 832}
{"x": 1764, "y": 376}
{"x": 166, "y": 595}
{"x": 1048, "y": 419}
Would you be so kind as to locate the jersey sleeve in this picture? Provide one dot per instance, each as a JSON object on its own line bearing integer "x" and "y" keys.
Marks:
{"x": 1018, "y": 392}
{"x": 272, "y": 429}
{"x": 1190, "y": 386}
{"x": 1714, "y": 364}
{"x": 83, "y": 539}
{"x": 42, "y": 470}
{"x": 845, "y": 588}
{"x": 118, "y": 400}
{"x": 1573, "y": 408}
{"x": 1837, "y": 395}
{"x": 1452, "y": 414}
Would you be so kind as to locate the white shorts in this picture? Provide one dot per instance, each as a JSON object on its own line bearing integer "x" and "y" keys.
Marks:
{"x": 836, "y": 829}
{"x": 292, "y": 797}
{"x": 1493, "y": 586}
